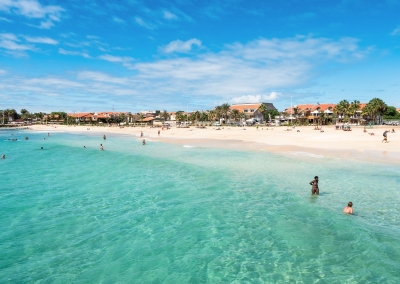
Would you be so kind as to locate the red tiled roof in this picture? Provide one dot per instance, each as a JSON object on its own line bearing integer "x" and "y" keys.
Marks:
{"x": 323, "y": 107}
{"x": 147, "y": 119}
{"x": 241, "y": 108}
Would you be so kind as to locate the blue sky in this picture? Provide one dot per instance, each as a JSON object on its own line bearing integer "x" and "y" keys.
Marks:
{"x": 175, "y": 55}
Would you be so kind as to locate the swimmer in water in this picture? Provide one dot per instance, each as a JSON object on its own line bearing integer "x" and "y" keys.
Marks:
{"x": 3, "y": 156}
{"x": 41, "y": 148}
{"x": 314, "y": 188}
{"x": 349, "y": 208}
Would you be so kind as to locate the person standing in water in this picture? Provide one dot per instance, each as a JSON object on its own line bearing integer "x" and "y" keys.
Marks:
{"x": 314, "y": 183}
{"x": 3, "y": 156}
{"x": 144, "y": 142}
{"x": 101, "y": 147}
{"x": 349, "y": 208}
{"x": 104, "y": 137}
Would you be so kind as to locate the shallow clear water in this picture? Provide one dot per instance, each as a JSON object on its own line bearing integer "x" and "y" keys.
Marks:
{"x": 178, "y": 214}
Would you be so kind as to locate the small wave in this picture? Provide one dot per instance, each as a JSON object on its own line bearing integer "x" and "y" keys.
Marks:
{"x": 49, "y": 131}
{"x": 306, "y": 154}
{"x": 188, "y": 146}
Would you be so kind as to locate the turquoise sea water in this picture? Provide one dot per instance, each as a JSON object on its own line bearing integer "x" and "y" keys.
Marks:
{"x": 178, "y": 214}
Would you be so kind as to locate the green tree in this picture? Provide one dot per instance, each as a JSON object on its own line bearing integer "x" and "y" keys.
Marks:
{"x": 391, "y": 113}
{"x": 377, "y": 109}
{"x": 225, "y": 108}
{"x": 235, "y": 115}
{"x": 271, "y": 113}
{"x": 263, "y": 110}
{"x": 164, "y": 115}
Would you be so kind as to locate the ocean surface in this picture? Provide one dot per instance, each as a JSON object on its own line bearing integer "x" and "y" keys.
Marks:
{"x": 163, "y": 213}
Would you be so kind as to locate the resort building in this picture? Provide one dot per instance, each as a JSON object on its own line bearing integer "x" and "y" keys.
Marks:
{"x": 320, "y": 113}
{"x": 252, "y": 111}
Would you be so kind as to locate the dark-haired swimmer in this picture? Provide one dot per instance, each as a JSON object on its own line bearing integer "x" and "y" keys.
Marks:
{"x": 349, "y": 208}
{"x": 314, "y": 183}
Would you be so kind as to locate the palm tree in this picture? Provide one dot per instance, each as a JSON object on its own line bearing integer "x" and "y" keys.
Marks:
{"x": 165, "y": 115}
{"x": 225, "y": 108}
{"x": 218, "y": 112}
{"x": 211, "y": 115}
{"x": 235, "y": 114}
{"x": 263, "y": 110}
{"x": 296, "y": 111}
{"x": 203, "y": 116}
{"x": 141, "y": 117}
{"x": 379, "y": 107}
{"x": 343, "y": 108}
{"x": 354, "y": 107}
{"x": 242, "y": 116}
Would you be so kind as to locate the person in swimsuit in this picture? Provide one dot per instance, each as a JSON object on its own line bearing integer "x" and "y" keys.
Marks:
{"x": 314, "y": 188}
{"x": 144, "y": 142}
{"x": 101, "y": 147}
{"x": 349, "y": 208}
{"x": 104, "y": 137}
{"x": 385, "y": 137}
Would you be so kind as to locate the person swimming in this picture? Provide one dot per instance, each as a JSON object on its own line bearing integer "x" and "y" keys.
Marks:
{"x": 3, "y": 156}
{"x": 314, "y": 183}
{"x": 349, "y": 208}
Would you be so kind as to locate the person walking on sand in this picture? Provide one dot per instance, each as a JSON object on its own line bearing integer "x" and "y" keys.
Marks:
{"x": 349, "y": 208}
{"x": 314, "y": 183}
{"x": 158, "y": 132}
{"x": 141, "y": 133}
{"x": 385, "y": 137}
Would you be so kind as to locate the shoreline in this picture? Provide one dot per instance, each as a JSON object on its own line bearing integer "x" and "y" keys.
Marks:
{"x": 310, "y": 143}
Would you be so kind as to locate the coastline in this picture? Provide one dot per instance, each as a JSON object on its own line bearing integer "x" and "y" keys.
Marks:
{"x": 310, "y": 143}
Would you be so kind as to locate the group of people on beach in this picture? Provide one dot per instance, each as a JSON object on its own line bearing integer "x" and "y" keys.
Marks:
{"x": 315, "y": 190}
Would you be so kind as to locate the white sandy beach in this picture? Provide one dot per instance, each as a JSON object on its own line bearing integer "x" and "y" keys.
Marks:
{"x": 304, "y": 140}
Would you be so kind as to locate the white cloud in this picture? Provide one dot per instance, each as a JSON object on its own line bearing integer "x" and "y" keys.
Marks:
{"x": 117, "y": 59}
{"x": 144, "y": 24}
{"x": 2, "y": 72}
{"x": 396, "y": 31}
{"x": 5, "y": 19}
{"x": 256, "y": 98}
{"x": 250, "y": 72}
{"x": 78, "y": 53}
{"x": 44, "y": 40}
{"x": 169, "y": 16}
{"x": 33, "y": 9}
{"x": 118, "y": 20}
{"x": 101, "y": 77}
{"x": 11, "y": 44}
{"x": 181, "y": 46}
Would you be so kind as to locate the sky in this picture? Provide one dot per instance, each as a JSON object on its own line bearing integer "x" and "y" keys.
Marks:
{"x": 132, "y": 55}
